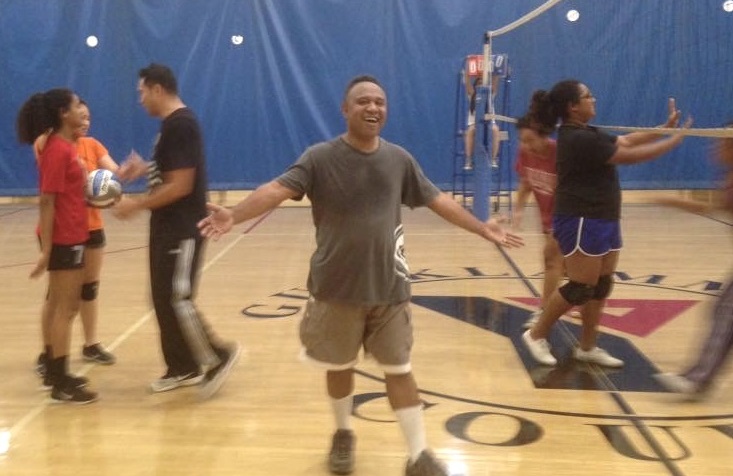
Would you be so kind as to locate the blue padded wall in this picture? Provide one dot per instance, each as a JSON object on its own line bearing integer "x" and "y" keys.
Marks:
{"x": 262, "y": 102}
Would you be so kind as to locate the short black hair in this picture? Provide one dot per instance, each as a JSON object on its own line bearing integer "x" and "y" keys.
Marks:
{"x": 362, "y": 78}
{"x": 160, "y": 74}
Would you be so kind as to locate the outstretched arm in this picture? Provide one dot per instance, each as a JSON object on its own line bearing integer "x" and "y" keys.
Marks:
{"x": 637, "y": 138}
{"x": 447, "y": 208}
{"x": 692, "y": 206}
{"x": 635, "y": 153}
{"x": 262, "y": 200}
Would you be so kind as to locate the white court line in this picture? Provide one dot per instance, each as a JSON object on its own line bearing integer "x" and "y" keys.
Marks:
{"x": 35, "y": 411}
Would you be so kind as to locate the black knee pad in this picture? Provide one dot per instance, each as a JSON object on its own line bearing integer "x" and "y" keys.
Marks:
{"x": 604, "y": 286}
{"x": 576, "y": 293}
{"x": 89, "y": 291}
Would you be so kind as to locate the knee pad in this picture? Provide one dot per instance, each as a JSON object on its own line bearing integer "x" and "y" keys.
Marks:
{"x": 576, "y": 293}
{"x": 89, "y": 291}
{"x": 603, "y": 288}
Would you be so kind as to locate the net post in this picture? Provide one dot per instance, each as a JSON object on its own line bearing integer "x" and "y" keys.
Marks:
{"x": 481, "y": 157}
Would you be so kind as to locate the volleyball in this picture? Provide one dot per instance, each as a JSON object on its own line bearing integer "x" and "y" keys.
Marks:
{"x": 102, "y": 190}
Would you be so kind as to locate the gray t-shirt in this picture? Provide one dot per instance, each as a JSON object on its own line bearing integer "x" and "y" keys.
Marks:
{"x": 356, "y": 203}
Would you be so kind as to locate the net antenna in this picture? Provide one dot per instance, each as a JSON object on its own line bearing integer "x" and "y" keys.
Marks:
{"x": 482, "y": 175}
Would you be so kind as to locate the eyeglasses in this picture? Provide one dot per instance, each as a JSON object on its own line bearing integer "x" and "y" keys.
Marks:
{"x": 587, "y": 96}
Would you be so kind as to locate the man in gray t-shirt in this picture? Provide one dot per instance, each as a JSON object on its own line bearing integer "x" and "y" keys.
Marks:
{"x": 357, "y": 201}
{"x": 359, "y": 279}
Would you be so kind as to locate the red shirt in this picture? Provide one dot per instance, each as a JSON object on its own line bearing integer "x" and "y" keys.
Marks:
{"x": 540, "y": 173}
{"x": 62, "y": 174}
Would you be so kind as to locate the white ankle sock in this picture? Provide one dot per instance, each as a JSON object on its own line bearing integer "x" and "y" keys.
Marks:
{"x": 342, "y": 408}
{"x": 413, "y": 428}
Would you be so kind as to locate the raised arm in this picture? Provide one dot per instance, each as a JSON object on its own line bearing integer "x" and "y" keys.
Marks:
{"x": 638, "y": 138}
{"x": 627, "y": 154}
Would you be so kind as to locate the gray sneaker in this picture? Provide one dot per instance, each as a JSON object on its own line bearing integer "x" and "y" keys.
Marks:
{"x": 170, "y": 382}
{"x": 426, "y": 465}
{"x": 341, "y": 457}
{"x": 97, "y": 353}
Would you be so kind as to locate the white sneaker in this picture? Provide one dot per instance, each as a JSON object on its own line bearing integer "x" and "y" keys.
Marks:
{"x": 539, "y": 349}
{"x": 597, "y": 356}
{"x": 677, "y": 383}
{"x": 529, "y": 323}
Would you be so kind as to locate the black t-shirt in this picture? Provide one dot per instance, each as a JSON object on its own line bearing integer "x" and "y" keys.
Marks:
{"x": 587, "y": 185}
{"x": 180, "y": 146}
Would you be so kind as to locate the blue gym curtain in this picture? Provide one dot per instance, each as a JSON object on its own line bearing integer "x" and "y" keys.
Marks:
{"x": 263, "y": 101}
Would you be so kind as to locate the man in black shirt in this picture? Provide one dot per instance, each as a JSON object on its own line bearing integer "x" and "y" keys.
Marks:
{"x": 177, "y": 201}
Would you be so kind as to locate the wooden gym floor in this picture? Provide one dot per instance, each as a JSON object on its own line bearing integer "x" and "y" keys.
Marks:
{"x": 489, "y": 410}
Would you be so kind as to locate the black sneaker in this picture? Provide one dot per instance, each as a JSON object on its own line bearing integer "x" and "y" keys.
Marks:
{"x": 97, "y": 353}
{"x": 41, "y": 365}
{"x": 170, "y": 382}
{"x": 73, "y": 380}
{"x": 215, "y": 377}
{"x": 68, "y": 393}
{"x": 341, "y": 456}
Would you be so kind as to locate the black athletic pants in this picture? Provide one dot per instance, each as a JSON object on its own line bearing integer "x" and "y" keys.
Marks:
{"x": 186, "y": 341}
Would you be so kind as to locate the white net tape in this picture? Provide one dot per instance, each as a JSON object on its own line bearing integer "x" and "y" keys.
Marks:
{"x": 712, "y": 132}
{"x": 720, "y": 132}
{"x": 526, "y": 18}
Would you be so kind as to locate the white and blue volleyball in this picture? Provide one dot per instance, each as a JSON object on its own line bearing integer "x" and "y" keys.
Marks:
{"x": 102, "y": 190}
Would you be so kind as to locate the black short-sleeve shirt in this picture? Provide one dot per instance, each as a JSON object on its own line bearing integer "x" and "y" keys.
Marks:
{"x": 587, "y": 184}
{"x": 180, "y": 146}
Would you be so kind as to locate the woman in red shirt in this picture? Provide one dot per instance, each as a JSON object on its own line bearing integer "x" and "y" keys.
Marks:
{"x": 537, "y": 170}
{"x": 62, "y": 229}
{"x": 94, "y": 156}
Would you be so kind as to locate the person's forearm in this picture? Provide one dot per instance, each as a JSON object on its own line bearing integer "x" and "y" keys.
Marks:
{"x": 452, "y": 212}
{"x": 45, "y": 223}
{"x": 645, "y": 152}
{"x": 164, "y": 194}
{"x": 262, "y": 200}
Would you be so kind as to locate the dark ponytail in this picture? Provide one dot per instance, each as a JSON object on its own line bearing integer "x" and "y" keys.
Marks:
{"x": 41, "y": 112}
{"x": 540, "y": 115}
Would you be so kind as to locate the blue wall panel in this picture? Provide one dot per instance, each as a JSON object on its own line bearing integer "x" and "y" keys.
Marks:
{"x": 261, "y": 103}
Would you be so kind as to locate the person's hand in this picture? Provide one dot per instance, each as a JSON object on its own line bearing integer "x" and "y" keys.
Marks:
{"x": 218, "y": 222}
{"x": 40, "y": 267}
{"x": 133, "y": 167}
{"x": 673, "y": 119}
{"x": 126, "y": 208}
{"x": 679, "y": 135}
{"x": 493, "y": 231}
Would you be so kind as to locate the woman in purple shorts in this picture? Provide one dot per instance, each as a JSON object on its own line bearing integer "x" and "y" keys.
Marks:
{"x": 587, "y": 211}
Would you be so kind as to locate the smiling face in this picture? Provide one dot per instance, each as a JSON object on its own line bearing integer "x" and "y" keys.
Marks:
{"x": 86, "y": 122}
{"x": 365, "y": 110}
{"x": 73, "y": 117}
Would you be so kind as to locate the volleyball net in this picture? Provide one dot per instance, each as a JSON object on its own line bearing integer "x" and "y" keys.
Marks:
{"x": 560, "y": 46}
